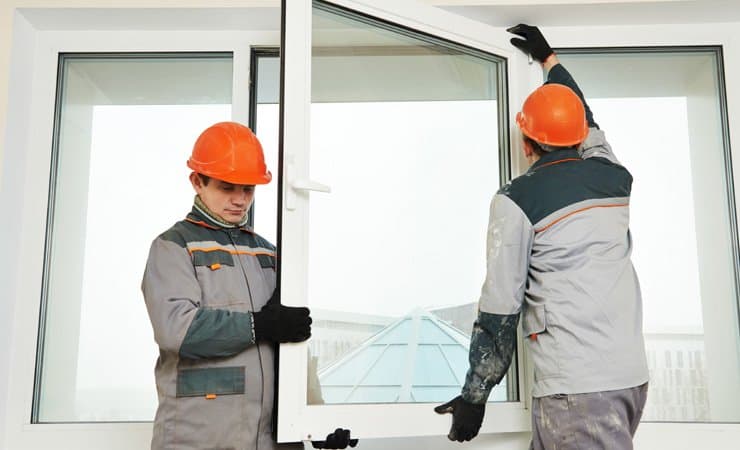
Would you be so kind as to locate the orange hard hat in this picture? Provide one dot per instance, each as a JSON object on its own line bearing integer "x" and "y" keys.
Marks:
{"x": 229, "y": 151}
{"x": 553, "y": 115}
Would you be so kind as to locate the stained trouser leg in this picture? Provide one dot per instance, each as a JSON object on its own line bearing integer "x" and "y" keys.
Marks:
{"x": 592, "y": 421}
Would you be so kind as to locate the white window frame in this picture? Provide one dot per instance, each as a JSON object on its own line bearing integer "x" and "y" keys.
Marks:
{"x": 300, "y": 421}
{"x": 296, "y": 419}
{"x": 28, "y": 152}
{"x": 32, "y": 155}
{"x": 676, "y": 435}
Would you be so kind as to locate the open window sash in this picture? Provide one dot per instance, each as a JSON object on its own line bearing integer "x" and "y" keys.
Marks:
{"x": 329, "y": 49}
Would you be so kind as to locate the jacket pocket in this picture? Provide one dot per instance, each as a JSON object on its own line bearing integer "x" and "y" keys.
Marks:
{"x": 212, "y": 259}
{"x": 534, "y": 321}
{"x": 219, "y": 279}
{"x": 210, "y": 381}
{"x": 541, "y": 342}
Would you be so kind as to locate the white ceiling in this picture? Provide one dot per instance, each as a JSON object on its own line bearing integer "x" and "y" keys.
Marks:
{"x": 498, "y": 13}
{"x": 255, "y": 19}
{"x": 594, "y": 12}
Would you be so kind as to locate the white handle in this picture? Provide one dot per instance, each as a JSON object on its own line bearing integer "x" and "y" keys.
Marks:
{"x": 300, "y": 185}
{"x": 308, "y": 185}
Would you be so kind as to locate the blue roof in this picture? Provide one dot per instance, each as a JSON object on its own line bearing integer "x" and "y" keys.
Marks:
{"x": 418, "y": 358}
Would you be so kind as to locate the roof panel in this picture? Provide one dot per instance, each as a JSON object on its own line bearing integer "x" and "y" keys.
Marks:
{"x": 398, "y": 334}
{"x": 457, "y": 355}
{"x": 388, "y": 370}
{"x": 431, "y": 368}
{"x": 348, "y": 371}
{"x": 431, "y": 333}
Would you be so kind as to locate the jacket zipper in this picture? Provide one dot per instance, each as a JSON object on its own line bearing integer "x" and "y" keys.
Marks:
{"x": 233, "y": 233}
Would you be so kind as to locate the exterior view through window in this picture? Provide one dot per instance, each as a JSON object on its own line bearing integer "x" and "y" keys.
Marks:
{"x": 662, "y": 111}
{"x": 405, "y": 131}
{"x": 123, "y": 133}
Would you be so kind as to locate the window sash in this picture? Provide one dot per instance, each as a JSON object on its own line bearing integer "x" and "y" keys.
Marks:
{"x": 296, "y": 419}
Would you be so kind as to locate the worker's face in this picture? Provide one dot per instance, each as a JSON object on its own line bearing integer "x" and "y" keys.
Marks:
{"x": 230, "y": 201}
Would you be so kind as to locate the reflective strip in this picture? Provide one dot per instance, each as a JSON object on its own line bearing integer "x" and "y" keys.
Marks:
{"x": 617, "y": 205}
{"x": 213, "y": 246}
{"x": 584, "y": 205}
{"x": 559, "y": 161}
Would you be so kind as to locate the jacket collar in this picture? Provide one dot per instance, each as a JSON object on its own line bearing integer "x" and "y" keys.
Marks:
{"x": 201, "y": 215}
{"x": 556, "y": 157}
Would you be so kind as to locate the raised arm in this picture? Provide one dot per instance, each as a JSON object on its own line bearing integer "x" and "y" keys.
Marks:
{"x": 558, "y": 74}
{"x": 532, "y": 42}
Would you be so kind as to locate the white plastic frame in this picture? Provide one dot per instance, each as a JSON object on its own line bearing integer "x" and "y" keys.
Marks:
{"x": 296, "y": 419}
{"x": 32, "y": 156}
{"x": 27, "y": 151}
{"x": 679, "y": 435}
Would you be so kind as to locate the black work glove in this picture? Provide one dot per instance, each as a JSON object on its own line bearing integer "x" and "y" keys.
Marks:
{"x": 338, "y": 439}
{"x": 534, "y": 42}
{"x": 278, "y": 323}
{"x": 466, "y": 418}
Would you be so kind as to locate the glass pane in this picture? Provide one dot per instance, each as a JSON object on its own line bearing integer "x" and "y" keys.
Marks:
{"x": 126, "y": 126}
{"x": 405, "y": 131}
{"x": 665, "y": 126}
{"x": 267, "y": 129}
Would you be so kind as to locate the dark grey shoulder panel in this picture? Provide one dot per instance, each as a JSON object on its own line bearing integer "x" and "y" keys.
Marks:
{"x": 262, "y": 242}
{"x": 176, "y": 234}
{"x": 184, "y": 232}
{"x": 549, "y": 188}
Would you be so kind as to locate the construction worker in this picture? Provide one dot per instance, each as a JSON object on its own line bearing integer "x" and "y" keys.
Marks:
{"x": 558, "y": 255}
{"x": 209, "y": 287}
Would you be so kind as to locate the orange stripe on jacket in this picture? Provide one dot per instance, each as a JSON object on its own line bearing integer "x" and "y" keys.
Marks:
{"x": 201, "y": 223}
{"x": 233, "y": 252}
{"x": 558, "y": 162}
{"x": 617, "y": 205}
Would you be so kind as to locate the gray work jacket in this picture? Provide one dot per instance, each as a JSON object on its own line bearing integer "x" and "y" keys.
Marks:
{"x": 215, "y": 386}
{"x": 559, "y": 251}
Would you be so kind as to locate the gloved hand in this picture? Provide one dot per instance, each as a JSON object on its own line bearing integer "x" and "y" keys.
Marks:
{"x": 278, "y": 323}
{"x": 466, "y": 418}
{"x": 338, "y": 439}
{"x": 534, "y": 42}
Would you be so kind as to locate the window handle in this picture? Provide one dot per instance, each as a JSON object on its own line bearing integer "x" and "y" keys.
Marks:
{"x": 300, "y": 185}
{"x": 309, "y": 185}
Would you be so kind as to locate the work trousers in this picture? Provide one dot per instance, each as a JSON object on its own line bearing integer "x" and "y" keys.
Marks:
{"x": 594, "y": 421}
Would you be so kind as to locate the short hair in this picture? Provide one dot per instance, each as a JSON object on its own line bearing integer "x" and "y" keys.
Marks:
{"x": 205, "y": 179}
{"x": 540, "y": 149}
